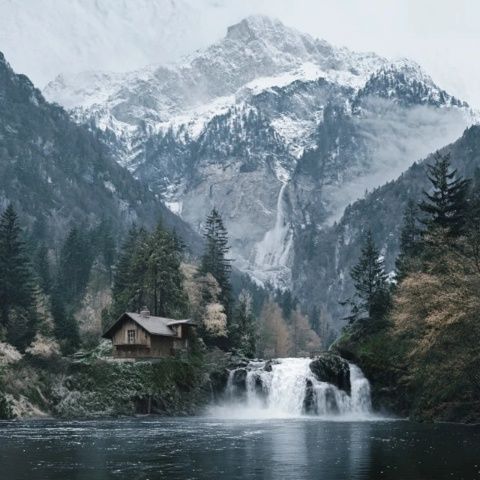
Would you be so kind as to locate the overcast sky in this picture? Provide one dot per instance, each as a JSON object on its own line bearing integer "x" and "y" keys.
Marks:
{"x": 43, "y": 38}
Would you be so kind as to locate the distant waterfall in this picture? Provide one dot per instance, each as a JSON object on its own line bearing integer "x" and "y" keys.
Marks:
{"x": 288, "y": 388}
{"x": 272, "y": 252}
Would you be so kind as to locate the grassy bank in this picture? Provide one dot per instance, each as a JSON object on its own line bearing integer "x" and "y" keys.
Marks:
{"x": 90, "y": 386}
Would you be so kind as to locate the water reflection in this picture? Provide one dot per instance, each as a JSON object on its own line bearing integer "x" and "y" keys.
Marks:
{"x": 199, "y": 448}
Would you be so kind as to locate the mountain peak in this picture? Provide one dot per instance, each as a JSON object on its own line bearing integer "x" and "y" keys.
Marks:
{"x": 405, "y": 81}
{"x": 272, "y": 42}
{"x": 275, "y": 34}
{"x": 253, "y": 26}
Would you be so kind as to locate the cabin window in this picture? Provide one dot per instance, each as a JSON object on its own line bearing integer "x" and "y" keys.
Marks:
{"x": 131, "y": 336}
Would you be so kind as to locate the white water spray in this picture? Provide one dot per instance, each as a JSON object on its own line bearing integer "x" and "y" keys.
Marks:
{"x": 287, "y": 388}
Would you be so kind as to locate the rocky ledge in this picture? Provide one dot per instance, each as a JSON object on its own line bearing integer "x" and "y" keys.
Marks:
{"x": 333, "y": 369}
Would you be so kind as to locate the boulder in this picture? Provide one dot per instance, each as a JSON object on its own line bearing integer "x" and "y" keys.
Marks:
{"x": 218, "y": 381}
{"x": 309, "y": 403}
{"x": 268, "y": 365}
{"x": 333, "y": 369}
{"x": 239, "y": 379}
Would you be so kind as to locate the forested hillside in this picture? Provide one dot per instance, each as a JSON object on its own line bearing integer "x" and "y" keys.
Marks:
{"x": 416, "y": 336}
{"x": 59, "y": 174}
{"x": 325, "y": 257}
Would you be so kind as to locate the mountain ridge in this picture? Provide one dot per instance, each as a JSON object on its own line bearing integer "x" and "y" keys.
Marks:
{"x": 269, "y": 119}
{"x": 56, "y": 171}
{"x": 381, "y": 212}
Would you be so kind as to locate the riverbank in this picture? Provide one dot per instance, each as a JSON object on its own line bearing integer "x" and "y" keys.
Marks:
{"x": 443, "y": 388}
{"x": 93, "y": 385}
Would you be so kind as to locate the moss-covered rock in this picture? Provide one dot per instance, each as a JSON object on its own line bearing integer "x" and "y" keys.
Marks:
{"x": 218, "y": 381}
{"x": 332, "y": 368}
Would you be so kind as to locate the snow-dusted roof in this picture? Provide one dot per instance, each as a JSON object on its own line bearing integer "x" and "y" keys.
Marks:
{"x": 153, "y": 325}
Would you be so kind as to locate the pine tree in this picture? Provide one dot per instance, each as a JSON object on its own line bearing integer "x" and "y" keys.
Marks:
{"x": 148, "y": 274}
{"x": 41, "y": 265}
{"x": 287, "y": 302}
{"x": 136, "y": 291}
{"x": 410, "y": 240}
{"x": 215, "y": 260}
{"x": 242, "y": 328}
{"x": 370, "y": 282}
{"x": 65, "y": 326}
{"x": 123, "y": 281}
{"x": 446, "y": 206}
{"x": 164, "y": 279}
{"x": 75, "y": 265}
{"x": 17, "y": 287}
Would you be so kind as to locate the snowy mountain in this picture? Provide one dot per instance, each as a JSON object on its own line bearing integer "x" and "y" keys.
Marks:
{"x": 257, "y": 54}
{"x": 59, "y": 175}
{"x": 278, "y": 130}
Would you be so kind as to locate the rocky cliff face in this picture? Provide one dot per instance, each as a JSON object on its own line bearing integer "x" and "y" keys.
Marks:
{"x": 278, "y": 130}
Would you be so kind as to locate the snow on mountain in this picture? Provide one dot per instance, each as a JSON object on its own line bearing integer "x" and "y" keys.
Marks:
{"x": 258, "y": 53}
{"x": 278, "y": 130}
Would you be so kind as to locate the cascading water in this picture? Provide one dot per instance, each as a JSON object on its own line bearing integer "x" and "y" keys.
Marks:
{"x": 273, "y": 251}
{"x": 288, "y": 388}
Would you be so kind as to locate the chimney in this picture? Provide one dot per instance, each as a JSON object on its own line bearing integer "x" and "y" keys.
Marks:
{"x": 145, "y": 312}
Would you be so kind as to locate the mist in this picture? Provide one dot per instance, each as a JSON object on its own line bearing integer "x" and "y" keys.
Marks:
{"x": 396, "y": 138}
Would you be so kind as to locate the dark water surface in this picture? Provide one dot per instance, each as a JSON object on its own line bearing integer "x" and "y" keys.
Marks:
{"x": 205, "y": 448}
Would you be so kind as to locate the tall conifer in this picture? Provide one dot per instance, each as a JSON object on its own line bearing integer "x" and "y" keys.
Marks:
{"x": 370, "y": 281}
{"x": 74, "y": 268}
{"x": 17, "y": 287}
{"x": 164, "y": 279}
{"x": 148, "y": 274}
{"x": 42, "y": 268}
{"x": 123, "y": 280}
{"x": 215, "y": 258}
{"x": 446, "y": 206}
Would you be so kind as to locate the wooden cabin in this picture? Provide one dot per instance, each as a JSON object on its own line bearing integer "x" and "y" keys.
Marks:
{"x": 141, "y": 335}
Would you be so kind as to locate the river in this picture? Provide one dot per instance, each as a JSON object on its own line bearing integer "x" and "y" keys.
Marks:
{"x": 276, "y": 421}
{"x": 210, "y": 448}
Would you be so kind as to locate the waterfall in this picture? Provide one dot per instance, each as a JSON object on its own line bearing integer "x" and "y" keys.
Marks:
{"x": 361, "y": 401}
{"x": 272, "y": 252}
{"x": 287, "y": 388}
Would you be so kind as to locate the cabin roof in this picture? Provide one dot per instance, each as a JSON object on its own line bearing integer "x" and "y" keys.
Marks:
{"x": 153, "y": 325}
